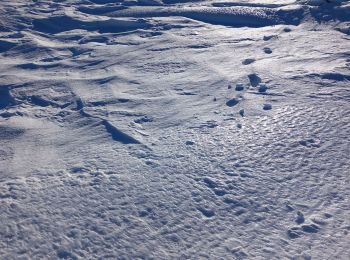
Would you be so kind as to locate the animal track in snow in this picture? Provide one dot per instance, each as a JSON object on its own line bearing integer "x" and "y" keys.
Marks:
{"x": 207, "y": 124}
{"x": 294, "y": 232}
{"x": 307, "y": 226}
{"x": 248, "y": 61}
{"x": 267, "y": 50}
{"x": 219, "y": 191}
{"x": 232, "y": 102}
{"x": 310, "y": 142}
{"x": 239, "y": 87}
{"x": 189, "y": 143}
{"x": 300, "y": 218}
{"x": 310, "y": 228}
{"x": 267, "y": 107}
{"x": 206, "y": 212}
{"x": 269, "y": 37}
{"x": 254, "y": 79}
{"x": 262, "y": 88}
{"x": 144, "y": 119}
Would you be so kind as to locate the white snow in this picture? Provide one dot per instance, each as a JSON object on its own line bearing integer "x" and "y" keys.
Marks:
{"x": 174, "y": 129}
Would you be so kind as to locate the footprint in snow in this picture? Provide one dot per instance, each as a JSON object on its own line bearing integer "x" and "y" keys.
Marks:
{"x": 239, "y": 87}
{"x": 206, "y": 212}
{"x": 269, "y": 37}
{"x": 267, "y": 50}
{"x": 294, "y": 232}
{"x": 248, "y": 61}
{"x": 262, "y": 88}
{"x": 254, "y": 79}
{"x": 310, "y": 228}
{"x": 232, "y": 102}
{"x": 300, "y": 218}
{"x": 267, "y": 107}
{"x": 309, "y": 142}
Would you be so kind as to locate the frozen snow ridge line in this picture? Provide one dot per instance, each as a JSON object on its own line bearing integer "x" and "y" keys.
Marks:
{"x": 228, "y": 16}
{"x": 118, "y": 135}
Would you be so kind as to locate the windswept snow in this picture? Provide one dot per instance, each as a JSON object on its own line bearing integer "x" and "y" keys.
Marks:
{"x": 174, "y": 129}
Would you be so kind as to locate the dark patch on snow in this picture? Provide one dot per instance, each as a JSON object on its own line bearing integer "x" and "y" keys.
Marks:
{"x": 63, "y": 254}
{"x": 100, "y": 10}
{"x": 300, "y": 218}
{"x": 269, "y": 37}
{"x": 294, "y": 232}
{"x": 58, "y": 24}
{"x": 267, "y": 50}
{"x": 267, "y": 107}
{"x": 248, "y": 61}
{"x": 8, "y": 133}
{"x": 239, "y": 87}
{"x": 5, "y": 97}
{"x": 335, "y": 76}
{"x": 6, "y": 45}
{"x": 144, "y": 119}
{"x": 39, "y": 101}
{"x": 311, "y": 228}
{"x": 210, "y": 183}
{"x": 79, "y": 103}
{"x": 254, "y": 79}
{"x": 232, "y": 102}
{"x": 262, "y": 88}
{"x": 208, "y": 213}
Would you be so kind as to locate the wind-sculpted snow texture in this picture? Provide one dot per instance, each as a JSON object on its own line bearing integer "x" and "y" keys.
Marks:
{"x": 174, "y": 129}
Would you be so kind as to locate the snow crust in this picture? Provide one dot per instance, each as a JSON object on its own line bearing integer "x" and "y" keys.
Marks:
{"x": 175, "y": 129}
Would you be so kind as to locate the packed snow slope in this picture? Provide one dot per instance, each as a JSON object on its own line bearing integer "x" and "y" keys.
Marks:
{"x": 149, "y": 129}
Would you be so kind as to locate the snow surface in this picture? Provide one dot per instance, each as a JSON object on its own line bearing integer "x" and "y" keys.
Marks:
{"x": 149, "y": 129}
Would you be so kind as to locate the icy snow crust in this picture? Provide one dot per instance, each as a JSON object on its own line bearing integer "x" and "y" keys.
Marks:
{"x": 175, "y": 129}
